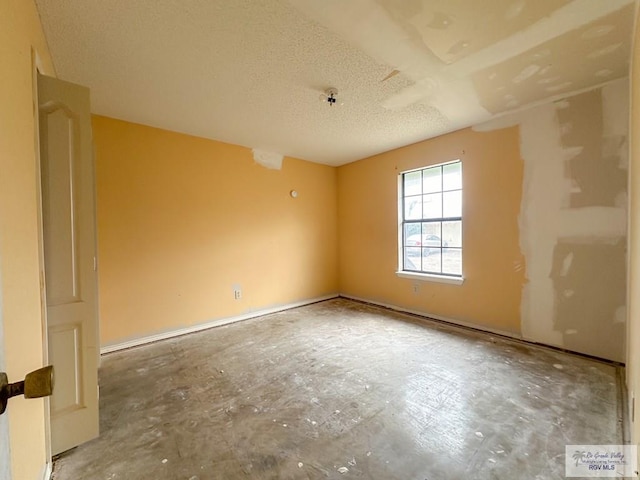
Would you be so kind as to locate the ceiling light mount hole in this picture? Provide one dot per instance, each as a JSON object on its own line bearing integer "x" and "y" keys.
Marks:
{"x": 329, "y": 96}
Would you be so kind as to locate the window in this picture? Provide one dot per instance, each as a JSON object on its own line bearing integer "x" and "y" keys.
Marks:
{"x": 431, "y": 226}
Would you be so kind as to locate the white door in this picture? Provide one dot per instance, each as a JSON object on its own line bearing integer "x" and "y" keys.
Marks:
{"x": 5, "y": 457}
{"x": 68, "y": 217}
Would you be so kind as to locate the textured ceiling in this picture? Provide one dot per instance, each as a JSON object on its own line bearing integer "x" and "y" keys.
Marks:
{"x": 251, "y": 72}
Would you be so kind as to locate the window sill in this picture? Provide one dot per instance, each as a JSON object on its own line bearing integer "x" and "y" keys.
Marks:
{"x": 429, "y": 277}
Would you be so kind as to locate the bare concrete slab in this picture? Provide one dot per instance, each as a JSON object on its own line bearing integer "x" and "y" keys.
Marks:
{"x": 341, "y": 389}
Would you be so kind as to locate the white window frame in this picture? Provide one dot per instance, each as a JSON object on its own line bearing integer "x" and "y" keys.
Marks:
{"x": 415, "y": 275}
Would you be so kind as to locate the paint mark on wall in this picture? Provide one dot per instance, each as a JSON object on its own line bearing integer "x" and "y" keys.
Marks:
{"x": 527, "y": 72}
{"x": 268, "y": 159}
{"x": 440, "y": 21}
{"x": 605, "y": 50}
{"x": 597, "y": 31}
{"x": 566, "y": 264}
{"x": 615, "y": 112}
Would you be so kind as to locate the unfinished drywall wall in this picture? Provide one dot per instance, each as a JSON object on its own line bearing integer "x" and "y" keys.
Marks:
{"x": 633, "y": 330}
{"x": 573, "y": 220}
{"x": 183, "y": 222}
{"x": 21, "y": 38}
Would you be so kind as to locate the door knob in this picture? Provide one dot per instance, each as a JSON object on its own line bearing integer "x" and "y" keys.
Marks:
{"x": 36, "y": 384}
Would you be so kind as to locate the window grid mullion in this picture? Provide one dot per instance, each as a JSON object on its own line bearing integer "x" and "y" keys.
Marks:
{"x": 433, "y": 220}
{"x": 441, "y": 196}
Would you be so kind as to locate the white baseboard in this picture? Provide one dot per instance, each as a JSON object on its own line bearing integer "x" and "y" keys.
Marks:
{"x": 427, "y": 316}
{"x": 205, "y": 326}
{"x": 47, "y": 471}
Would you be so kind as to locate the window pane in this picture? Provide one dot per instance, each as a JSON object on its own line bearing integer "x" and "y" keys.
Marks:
{"x": 410, "y": 232}
{"x": 432, "y": 180}
{"x": 452, "y": 204}
{"x": 432, "y": 205}
{"x": 412, "y": 183}
{"x": 431, "y": 228}
{"x": 452, "y": 176}
{"x": 431, "y": 238}
{"x": 413, "y": 208}
{"x": 452, "y": 234}
{"x": 431, "y": 260}
{"x": 411, "y": 258}
{"x": 452, "y": 261}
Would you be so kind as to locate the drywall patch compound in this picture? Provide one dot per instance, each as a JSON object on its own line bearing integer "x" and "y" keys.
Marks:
{"x": 270, "y": 160}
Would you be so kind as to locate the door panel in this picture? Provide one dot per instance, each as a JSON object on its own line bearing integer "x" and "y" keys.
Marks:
{"x": 68, "y": 363}
{"x": 57, "y": 197}
{"x": 68, "y": 213}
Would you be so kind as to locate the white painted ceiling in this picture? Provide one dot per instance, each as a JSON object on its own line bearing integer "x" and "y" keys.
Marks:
{"x": 250, "y": 72}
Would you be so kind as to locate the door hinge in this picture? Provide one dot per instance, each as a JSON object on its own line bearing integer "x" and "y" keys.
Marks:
{"x": 95, "y": 264}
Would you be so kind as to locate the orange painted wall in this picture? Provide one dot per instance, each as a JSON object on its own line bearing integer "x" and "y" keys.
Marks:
{"x": 493, "y": 265}
{"x": 21, "y": 36}
{"x": 181, "y": 220}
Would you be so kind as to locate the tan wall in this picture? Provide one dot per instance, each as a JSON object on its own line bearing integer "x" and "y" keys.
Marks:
{"x": 20, "y": 32}
{"x": 493, "y": 264}
{"x": 181, "y": 220}
{"x": 633, "y": 335}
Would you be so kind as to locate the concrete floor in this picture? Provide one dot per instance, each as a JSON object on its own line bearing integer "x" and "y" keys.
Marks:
{"x": 340, "y": 389}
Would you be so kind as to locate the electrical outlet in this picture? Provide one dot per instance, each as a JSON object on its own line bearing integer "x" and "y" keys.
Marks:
{"x": 237, "y": 292}
{"x": 416, "y": 288}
